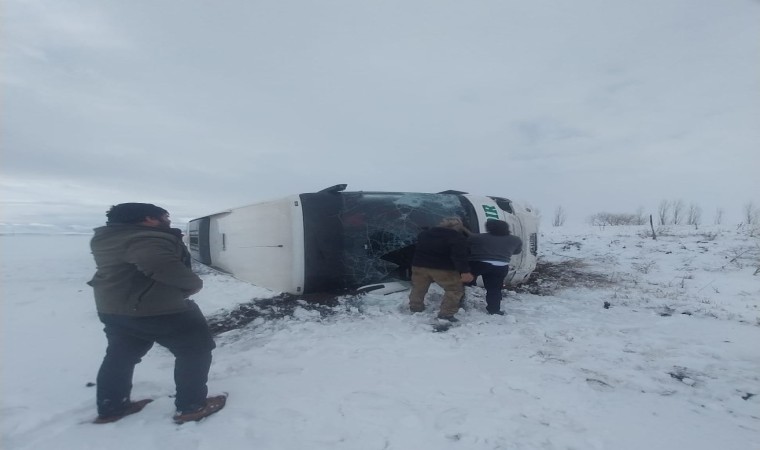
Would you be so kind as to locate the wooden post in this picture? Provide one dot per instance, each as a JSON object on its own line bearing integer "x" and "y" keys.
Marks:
{"x": 651, "y": 224}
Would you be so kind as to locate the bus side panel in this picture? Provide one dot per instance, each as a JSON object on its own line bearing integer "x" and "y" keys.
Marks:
{"x": 258, "y": 244}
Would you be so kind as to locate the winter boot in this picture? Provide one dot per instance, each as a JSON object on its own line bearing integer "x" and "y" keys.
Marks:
{"x": 451, "y": 319}
{"x": 213, "y": 404}
{"x": 132, "y": 408}
{"x": 416, "y": 308}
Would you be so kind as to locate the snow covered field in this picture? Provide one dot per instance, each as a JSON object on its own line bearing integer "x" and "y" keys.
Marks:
{"x": 624, "y": 343}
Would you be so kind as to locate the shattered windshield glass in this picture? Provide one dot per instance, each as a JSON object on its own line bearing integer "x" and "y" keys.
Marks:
{"x": 380, "y": 229}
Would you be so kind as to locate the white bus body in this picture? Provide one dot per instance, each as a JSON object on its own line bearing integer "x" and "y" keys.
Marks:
{"x": 337, "y": 241}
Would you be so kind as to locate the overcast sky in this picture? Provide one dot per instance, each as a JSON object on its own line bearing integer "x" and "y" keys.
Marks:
{"x": 199, "y": 106}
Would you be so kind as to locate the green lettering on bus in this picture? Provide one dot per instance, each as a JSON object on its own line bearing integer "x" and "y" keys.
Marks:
{"x": 491, "y": 212}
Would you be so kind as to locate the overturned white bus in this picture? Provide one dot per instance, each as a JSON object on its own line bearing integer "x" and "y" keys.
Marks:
{"x": 333, "y": 240}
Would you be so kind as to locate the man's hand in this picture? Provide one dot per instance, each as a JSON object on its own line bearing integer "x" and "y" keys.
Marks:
{"x": 467, "y": 277}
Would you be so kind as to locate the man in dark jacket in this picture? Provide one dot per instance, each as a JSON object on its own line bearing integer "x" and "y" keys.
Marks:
{"x": 141, "y": 286}
{"x": 489, "y": 257}
{"x": 440, "y": 256}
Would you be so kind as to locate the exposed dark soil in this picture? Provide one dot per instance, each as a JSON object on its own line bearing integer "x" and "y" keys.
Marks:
{"x": 547, "y": 279}
{"x": 271, "y": 308}
{"x": 551, "y": 277}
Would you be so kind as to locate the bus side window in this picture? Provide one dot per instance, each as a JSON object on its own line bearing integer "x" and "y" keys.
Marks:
{"x": 504, "y": 204}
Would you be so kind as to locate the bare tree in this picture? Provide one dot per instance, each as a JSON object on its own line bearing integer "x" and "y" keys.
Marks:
{"x": 694, "y": 215}
{"x": 559, "y": 216}
{"x": 751, "y": 214}
{"x": 718, "y": 216}
{"x": 663, "y": 211}
{"x": 678, "y": 206}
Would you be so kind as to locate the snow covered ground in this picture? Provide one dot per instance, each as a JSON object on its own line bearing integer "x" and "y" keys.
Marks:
{"x": 624, "y": 342}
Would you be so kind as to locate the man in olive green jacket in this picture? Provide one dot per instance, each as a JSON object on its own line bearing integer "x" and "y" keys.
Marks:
{"x": 141, "y": 287}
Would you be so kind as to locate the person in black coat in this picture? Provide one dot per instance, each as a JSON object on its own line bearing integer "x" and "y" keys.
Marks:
{"x": 489, "y": 257}
{"x": 440, "y": 257}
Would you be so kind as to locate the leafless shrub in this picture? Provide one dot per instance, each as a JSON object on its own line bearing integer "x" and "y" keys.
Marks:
{"x": 694, "y": 215}
{"x": 613, "y": 219}
{"x": 678, "y": 206}
{"x": 751, "y": 214}
{"x": 718, "y": 216}
{"x": 744, "y": 256}
{"x": 663, "y": 211}
{"x": 559, "y": 217}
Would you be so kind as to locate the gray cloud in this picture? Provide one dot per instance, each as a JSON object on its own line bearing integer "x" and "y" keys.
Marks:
{"x": 202, "y": 106}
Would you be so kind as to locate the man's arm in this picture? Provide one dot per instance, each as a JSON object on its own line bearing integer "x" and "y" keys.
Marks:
{"x": 157, "y": 258}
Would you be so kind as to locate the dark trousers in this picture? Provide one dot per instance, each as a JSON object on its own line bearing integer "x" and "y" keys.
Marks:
{"x": 185, "y": 334}
{"x": 493, "y": 281}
